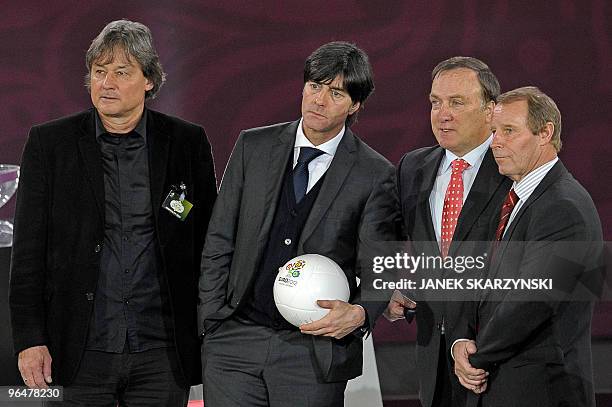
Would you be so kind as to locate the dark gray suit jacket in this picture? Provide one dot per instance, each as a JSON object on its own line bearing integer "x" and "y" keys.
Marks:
{"x": 416, "y": 177}
{"x": 357, "y": 203}
{"x": 538, "y": 349}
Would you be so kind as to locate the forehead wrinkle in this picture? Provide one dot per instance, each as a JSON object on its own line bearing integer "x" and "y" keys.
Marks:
{"x": 114, "y": 54}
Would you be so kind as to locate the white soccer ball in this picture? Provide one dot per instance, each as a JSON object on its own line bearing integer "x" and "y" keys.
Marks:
{"x": 302, "y": 281}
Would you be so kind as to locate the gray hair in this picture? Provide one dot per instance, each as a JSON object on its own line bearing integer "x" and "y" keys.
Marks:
{"x": 488, "y": 81}
{"x": 136, "y": 41}
{"x": 541, "y": 109}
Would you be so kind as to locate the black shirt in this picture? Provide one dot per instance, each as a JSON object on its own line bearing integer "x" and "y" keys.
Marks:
{"x": 131, "y": 303}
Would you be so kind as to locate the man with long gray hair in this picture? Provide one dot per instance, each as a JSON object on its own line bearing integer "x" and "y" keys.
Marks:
{"x": 112, "y": 210}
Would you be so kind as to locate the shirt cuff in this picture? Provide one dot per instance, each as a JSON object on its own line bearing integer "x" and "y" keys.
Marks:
{"x": 364, "y": 329}
{"x": 453, "y": 345}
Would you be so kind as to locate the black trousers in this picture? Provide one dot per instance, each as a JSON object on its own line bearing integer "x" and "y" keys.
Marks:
{"x": 145, "y": 379}
{"x": 448, "y": 392}
{"x": 251, "y": 365}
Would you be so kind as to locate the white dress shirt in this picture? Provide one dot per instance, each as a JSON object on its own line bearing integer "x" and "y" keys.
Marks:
{"x": 436, "y": 198}
{"x": 318, "y": 166}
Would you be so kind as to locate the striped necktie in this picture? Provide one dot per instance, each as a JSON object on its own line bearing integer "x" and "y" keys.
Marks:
{"x": 506, "y": 211}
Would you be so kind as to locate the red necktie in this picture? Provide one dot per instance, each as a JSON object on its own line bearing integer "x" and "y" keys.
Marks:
{"x": 506, "y": 210}
{"x": 453, "y": 202}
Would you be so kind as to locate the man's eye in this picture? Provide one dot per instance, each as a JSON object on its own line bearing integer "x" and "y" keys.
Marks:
{"x": 336, "y": 94}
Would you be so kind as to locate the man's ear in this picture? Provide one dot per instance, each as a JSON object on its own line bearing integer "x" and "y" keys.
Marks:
{"x": 546, "y": 133}
{"x": 149, "y": 85}
{"x": 354, "y": 107}
{"x": 488, "y": 108}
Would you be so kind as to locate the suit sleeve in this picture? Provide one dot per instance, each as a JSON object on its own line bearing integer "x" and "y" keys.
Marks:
{"x": 553, "y": 250}
{"x": 28, "y": 263}
{"x": 220, "y": 240}
{"x": 205, "y": 179}
{"x": 378, "y": 235}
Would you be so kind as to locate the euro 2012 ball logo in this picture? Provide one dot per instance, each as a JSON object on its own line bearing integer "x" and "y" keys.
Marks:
{"x": 293, "y": 269}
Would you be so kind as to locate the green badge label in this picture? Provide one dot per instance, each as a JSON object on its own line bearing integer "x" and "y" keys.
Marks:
{"x": 177, "y": 205}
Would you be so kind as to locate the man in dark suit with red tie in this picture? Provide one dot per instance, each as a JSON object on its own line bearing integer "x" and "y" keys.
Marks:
{"x": 537, "y": 346}
{"x": 448, "y": 194}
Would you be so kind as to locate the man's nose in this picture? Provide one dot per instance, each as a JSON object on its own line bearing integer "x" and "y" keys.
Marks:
{"x": 497, "y": 141}
{"x": 109, "y": 81}
{"x": 321, "y": 98}
{"x": 444, "y": 113}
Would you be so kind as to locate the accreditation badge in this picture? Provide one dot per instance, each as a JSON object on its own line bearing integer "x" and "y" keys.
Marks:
{"x": 175, "y": 202}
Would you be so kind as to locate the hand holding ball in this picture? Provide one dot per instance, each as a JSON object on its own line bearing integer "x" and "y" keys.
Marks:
{"x": 304, "y": 280}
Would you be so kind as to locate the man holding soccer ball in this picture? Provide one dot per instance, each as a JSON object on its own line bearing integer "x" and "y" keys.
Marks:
{"x": 309, "y": 186}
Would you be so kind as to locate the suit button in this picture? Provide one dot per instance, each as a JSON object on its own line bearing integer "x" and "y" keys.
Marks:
{"x": 293, "y": 213}
{"x": 90, "y": 296}
{"x": 97, "y": 248}
{"x": 287, "y": 242}
{"x": 236, "y": 301}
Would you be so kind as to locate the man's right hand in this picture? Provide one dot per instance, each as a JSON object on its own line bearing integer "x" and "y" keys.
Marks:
{"x": 394, "y": 311}
{"x": 470, "y": 377}
{"x": 396, "y": 307}
{"x": 35, "y": 367}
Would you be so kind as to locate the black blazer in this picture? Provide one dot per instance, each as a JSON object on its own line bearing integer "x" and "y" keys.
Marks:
{"x": 357, "y": 203}
{"x": 538, "y": 351}
{"x": 416, "y": 178}
{"x": 59, "y": 230}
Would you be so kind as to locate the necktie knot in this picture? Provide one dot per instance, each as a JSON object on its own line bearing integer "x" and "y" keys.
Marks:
{"x": 307, "y": 154}
{"x": 459, "y": 165}
{"x": 512, "y": 198}
{"x": 300, "y": 172}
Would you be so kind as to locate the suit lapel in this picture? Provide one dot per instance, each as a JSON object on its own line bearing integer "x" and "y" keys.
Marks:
{"x": 553, "y": 175}
{"x": 276, "y": 161}
{"x": 487, "y": 181}
{"x": 430, "y": 171}
{"x": 423, "y": 233}
{"x": 341, "y": 165}
{"x": 158, "y": 142}
{"x": 92, "y": 160}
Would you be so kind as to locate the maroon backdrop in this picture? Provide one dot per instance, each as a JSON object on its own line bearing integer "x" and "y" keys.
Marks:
{"x": 235, "y": 64}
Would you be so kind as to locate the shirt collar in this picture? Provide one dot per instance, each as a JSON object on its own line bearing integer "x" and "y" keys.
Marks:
{"x": 473, "y": 157}
{"x": 329, "y": 147}
{"x": 140, "y": 129}
{"x": 525, "y": 187}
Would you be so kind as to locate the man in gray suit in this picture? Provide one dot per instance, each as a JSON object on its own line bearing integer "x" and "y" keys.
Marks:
{"x": 309, "y": 186}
